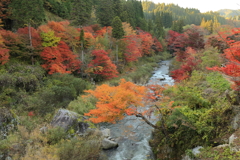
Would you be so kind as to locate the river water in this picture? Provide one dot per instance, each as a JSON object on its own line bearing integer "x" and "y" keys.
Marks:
{"x": 131, "y": 133}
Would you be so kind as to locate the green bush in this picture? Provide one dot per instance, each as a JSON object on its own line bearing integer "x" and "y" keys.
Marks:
{"x": 88, "y": 147}
{"x": 82, "y": 105}
{"x": 54, "y": 135}
{"x": 217, "y": 82}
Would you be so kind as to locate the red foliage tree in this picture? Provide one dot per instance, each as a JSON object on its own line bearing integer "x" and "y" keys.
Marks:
{"x": 12, "y": 42}
{"x": 4, "y": 52}
{"x": 187, "y": 66}
{"x": 177, "y": 43}
{"x": 60, "y": 59}
{"x": 171, "y": 37}
{"x": 36, "y": 39}
{"x": 132, "y": 51}
{"x": 146, "y": 43}
{"x": 232, "y": 55}
{"x": 103, "y": 31}
{"x": 157, "y": 46}
{"x": 102, "y": 65}
{"x": 218, "y": 42}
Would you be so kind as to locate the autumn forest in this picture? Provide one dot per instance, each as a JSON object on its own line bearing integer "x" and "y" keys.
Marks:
{"x": 94, "y": 59}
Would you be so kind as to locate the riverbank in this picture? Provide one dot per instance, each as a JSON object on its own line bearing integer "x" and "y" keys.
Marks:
{"x": 201, "y": 113}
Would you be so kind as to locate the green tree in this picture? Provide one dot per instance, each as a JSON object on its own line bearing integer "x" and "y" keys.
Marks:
{"x": 105, "y": 12}
{"x": 117, "y": 32}
{"x": 30, "y": 12}
{"x": 118, "y": 8}
{"x": 159, "y": 31}
{"x": 27, "y": 12}
{"x": 81, "y": 11}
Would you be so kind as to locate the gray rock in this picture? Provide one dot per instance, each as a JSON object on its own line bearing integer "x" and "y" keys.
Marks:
{"x": 223, "y": 146}
{"x": 233, "y": 146}
{"x": 236, "y": 119}
{"x": 8, "y": 158}
{"x": 44, "y": 130}
{"x": 66, "y": 119}
{"x": 233, "y": 143}
{"x": 82, "y": 127}
{"x": 108, "y": 144}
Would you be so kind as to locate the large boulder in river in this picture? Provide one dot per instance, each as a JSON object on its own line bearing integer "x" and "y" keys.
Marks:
{"x": 67, "y": 119}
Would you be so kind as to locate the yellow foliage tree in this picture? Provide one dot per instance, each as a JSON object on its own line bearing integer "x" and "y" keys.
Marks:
{"x": 128, "y": 30}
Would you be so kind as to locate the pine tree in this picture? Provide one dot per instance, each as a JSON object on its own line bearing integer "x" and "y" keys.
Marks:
{"x": 29, "y": 12}
{"x": 117, "y": 32}
{"x": 118, "y": 8}
{"x": 105, "y": 12}
{"x": 81, "y": 11}
{"x": 159, "y": 31}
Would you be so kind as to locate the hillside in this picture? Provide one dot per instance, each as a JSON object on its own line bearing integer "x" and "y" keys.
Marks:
{"x": 92, "y": 59}
{"x": 228, "y": 13}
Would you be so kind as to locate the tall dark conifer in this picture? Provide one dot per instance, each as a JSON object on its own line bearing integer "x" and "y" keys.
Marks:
{"x": 117, "y": 32}
{"x": 27, "y": 11}
{"x": 117, "y": 8}
{"x": 30, "y": 12}
{"x": 159, "y": 31}
{"x": 105, "y": 12}
{"x": 81, "y": 11}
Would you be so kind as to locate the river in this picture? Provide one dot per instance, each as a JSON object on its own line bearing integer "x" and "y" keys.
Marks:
{"x": 133, "y": 134}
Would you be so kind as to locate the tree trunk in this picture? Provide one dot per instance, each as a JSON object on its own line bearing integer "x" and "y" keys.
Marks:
{"x": 82, "y": 57}
{"x": 30, "y": 42}
{"x": 162, "y": 128}
{"x": 147, "y": 121}
{"x": 117, "y": 53}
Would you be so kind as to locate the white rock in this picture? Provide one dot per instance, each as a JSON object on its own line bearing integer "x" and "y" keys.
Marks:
{"x": 108, "y": 144}
{"x": 106, "y": 133}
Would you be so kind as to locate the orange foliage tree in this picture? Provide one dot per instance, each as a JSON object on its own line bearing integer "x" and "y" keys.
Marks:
{"x": 115, "y": 102}
{"x": 60, "y": 59}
